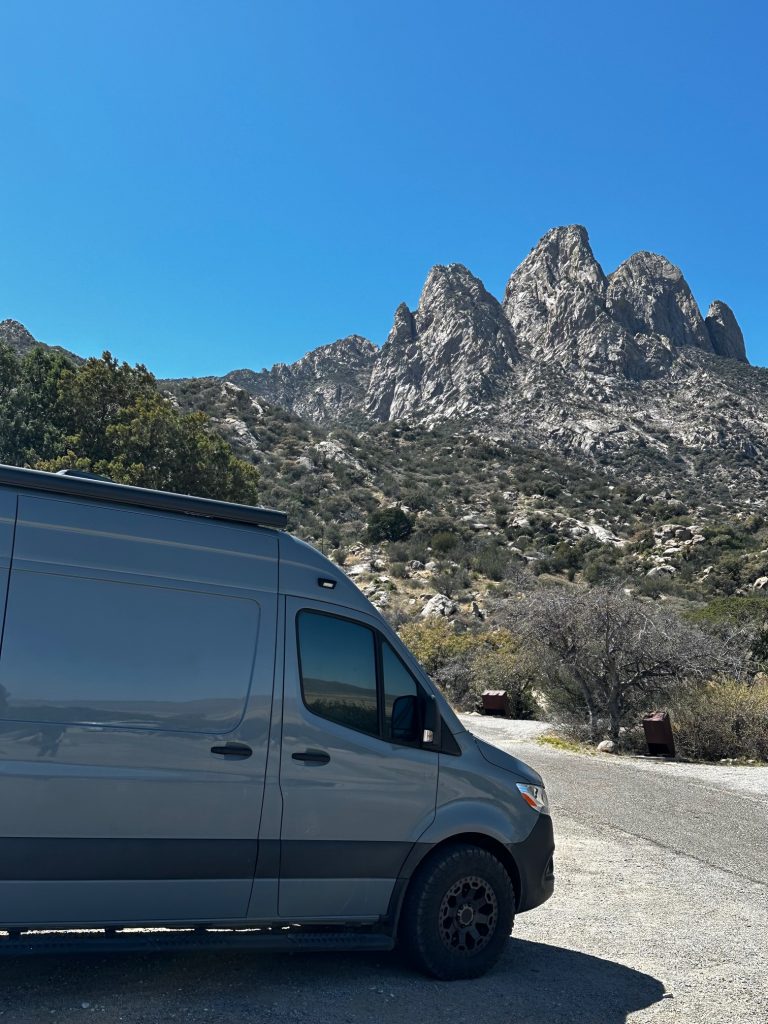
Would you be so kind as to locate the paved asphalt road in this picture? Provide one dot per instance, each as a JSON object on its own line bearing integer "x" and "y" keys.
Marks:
{"x": 660, "y": 915}
{"x": 719, "y": 824}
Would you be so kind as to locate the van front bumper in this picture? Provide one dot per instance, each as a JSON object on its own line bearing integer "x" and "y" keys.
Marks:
{"x": 534, "y": 858}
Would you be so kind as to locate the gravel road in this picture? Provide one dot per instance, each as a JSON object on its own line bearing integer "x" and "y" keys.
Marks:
{"x": 660, "y": 915}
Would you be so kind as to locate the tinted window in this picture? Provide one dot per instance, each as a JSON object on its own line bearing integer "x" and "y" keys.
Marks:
{"x": 78, "y": 650}
{"x": 338, "y": 670}
{"x": 398, "y": 682}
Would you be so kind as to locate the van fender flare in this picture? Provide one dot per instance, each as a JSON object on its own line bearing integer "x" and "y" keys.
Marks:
{"x": 460, "y": 820}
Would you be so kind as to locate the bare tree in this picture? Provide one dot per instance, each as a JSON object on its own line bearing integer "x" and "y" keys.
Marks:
{"x": 610, "y": 654}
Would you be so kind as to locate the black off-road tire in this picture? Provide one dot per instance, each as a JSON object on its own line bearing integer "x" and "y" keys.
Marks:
{"x": 457, "y": 913}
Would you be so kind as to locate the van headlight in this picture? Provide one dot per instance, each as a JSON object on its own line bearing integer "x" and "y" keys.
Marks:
{"x": 534, "y": 796}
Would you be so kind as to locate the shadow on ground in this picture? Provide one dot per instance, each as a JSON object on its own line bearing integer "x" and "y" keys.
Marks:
{"x": 533, "y": 982}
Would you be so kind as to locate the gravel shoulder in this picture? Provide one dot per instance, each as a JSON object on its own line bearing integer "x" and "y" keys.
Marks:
{"x": 642, "y": 928}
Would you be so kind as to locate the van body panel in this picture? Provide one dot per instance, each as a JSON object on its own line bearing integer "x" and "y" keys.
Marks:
{"x": 301, "y": 568}
{"x": 136, "y": 641}
{"x": 477, "y": 796}
{"x": 262, "y": 904}
{"x": 331, "y": 900}
{"x": 353, "y": 819}
{"x": 59, "y": 533}
{"x": 49, "y": 904}
{"x": 7, "y": 526}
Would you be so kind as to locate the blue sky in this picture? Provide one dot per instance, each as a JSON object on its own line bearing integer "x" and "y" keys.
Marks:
{"x": 207, "y": 185}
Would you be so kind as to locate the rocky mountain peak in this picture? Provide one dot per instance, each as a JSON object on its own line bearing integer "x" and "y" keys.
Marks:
{"x": 16, "y": 335}
{"x": 451, "y": 285}
{"x": 556, "y": 303}
{"x": 648, "y": 295}
{"x": 445, "y": 356}
{"x": 725, "y": 333}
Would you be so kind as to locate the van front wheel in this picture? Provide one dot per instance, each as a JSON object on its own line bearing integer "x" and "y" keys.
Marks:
{"x": 458, "y": 913}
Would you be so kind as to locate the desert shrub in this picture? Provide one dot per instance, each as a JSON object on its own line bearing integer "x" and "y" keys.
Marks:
{"x": 744, "y": 617}
{"x": 339, "y": 555}
{"x": 501, "y": 664}
{"x": 600, "y": 565}
{"x": 725, "y": 718}
{"x": 451, "y": 580}
{"x": 417, "y": 498}
{"x": 491, "y": 560}
{"x": 464, "y": 664}
{"x": 443, "y": 541}
{"x": 388, "y": 524}
{"x": 434, "y": 642}
{"x": 607, "y": 658}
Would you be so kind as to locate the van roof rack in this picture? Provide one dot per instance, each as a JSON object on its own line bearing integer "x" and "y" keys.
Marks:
{"x": 80, "y": 484}
{"x": 84, "y": 474}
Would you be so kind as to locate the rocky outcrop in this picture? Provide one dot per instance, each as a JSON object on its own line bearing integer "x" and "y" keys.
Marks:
{"x": 725, "y": 333}
{"x": 621, "y": 370}
{"x": 650, "y": 298}
{"x": 327, "y": 384}
{"x": 564, "y": 309}
{"x": 556, "y": 304}
{"x": 448, "y": 357}
{"x": 17, "y": 337}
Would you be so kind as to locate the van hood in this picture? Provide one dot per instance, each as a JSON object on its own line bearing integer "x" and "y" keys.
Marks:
{"x": 509, "y": 763}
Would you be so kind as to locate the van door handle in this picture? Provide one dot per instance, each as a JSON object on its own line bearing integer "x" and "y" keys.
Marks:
{"x": 312, "y": 757}
{"x": 239, "y": 751}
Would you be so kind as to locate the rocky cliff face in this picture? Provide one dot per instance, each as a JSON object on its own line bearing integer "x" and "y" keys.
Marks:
{"x": 17, "y": 337}
{"x": 446, "y": 358}
{"x": 327, "y": 384}
{"x": 556, "y": 304}
{"x": 725, "y": 333}
{"x": 619, "y": 368}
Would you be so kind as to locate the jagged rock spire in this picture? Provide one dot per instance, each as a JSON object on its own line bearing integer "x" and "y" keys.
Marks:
{"x": 725, "y": 333}
{"x": 556, "y": 303}
{"x": 648, "y": 295}
{"x": 446, "y": 356}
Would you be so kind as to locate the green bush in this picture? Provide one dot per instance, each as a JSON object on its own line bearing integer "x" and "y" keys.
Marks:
{"x": 388, "y": 524}
{"x": 443, "y": 541}
{"x": 492, "y": 561}
{"x": 465, "y": 664}
{"x": 725, "y": 718}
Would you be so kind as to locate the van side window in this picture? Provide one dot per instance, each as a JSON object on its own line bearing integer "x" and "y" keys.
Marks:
{"x": 102, "y": 652}
{"x": 337, "y": 661}
{"x": 398, "y": 682}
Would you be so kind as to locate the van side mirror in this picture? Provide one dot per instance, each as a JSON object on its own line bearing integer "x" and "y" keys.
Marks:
{"x": 431, "y": 735}
{"x": 405, "y": 719}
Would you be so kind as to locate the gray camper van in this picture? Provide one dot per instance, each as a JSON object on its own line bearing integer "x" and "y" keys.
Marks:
{"x": 205, "y": 725}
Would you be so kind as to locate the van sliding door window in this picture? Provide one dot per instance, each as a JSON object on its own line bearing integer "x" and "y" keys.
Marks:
{"x": 99, "y": 652}
{"x": 338, "y": 670}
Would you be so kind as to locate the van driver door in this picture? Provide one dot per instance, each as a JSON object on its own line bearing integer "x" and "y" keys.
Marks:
{"x": 355, "y": 797}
